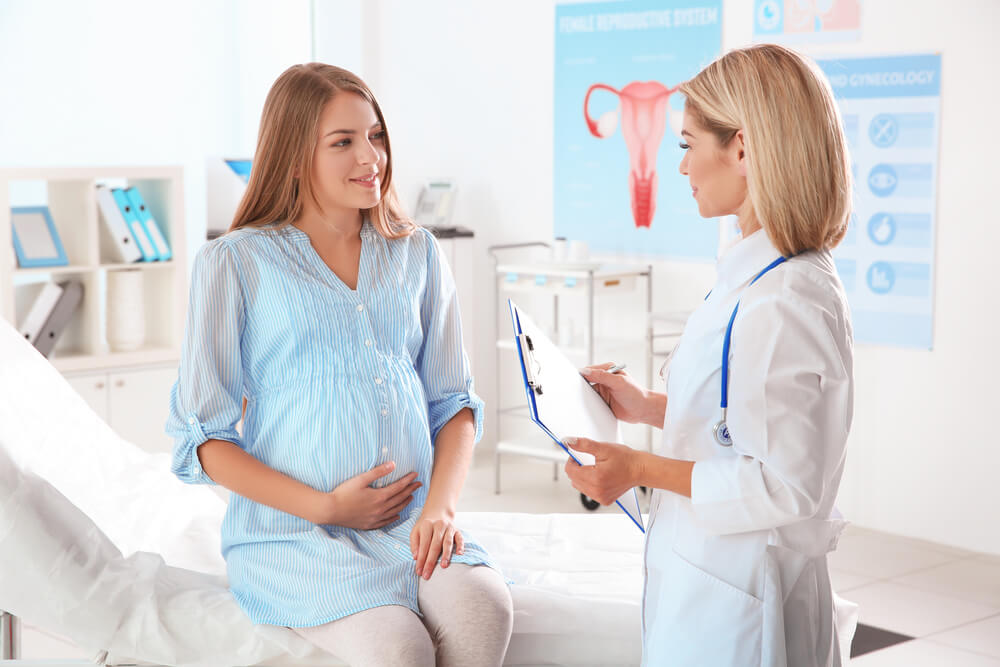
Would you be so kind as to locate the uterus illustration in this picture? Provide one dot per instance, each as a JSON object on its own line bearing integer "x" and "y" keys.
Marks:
{"x": 644, "y": 113}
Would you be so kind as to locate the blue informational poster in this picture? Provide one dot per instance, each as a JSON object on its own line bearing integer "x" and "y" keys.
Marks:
{"x": 813, "y": 22}
{"x": 891, "y": 110}
{"x": 617, "y": 124}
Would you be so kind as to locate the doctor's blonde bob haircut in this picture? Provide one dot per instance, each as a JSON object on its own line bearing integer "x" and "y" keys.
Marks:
{"x": 282, "y": 165}
{"x": 798, "y": 168}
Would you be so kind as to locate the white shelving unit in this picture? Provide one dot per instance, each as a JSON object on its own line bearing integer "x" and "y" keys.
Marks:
{"x": 594, "y": 282}
{"x": 113, "y": 382}
{"x": 71, "y": 198}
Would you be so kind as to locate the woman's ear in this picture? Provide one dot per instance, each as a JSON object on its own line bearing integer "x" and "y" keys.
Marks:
{"x": 741, "y": 153}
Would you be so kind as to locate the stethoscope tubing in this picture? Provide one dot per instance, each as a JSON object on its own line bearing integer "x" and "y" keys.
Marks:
{"x": 720, "y": 430}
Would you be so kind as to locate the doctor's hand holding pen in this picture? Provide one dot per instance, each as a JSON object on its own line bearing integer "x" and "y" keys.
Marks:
{"x": 627, "y": 399}
{"x": 618, "y": 468}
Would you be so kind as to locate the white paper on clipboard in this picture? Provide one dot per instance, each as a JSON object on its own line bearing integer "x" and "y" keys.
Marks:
{"x": 561, "y": 401}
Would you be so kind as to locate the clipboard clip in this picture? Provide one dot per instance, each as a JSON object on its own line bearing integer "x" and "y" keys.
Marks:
{"x": 531, "y": 367}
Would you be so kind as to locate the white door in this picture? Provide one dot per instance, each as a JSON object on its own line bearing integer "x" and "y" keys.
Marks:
{"x": 94, "y": 390}
{"x": 138, "y": 404}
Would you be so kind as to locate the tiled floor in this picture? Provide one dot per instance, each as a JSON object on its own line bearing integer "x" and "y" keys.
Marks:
{"x": 939, "y": 605}
{"x": 945, "y": 599}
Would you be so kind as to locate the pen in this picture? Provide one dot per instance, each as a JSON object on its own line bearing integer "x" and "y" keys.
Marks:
{"x": 613, "y": 369}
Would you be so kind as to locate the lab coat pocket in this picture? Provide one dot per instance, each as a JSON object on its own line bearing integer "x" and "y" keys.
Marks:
{"x": 701, "y": 620}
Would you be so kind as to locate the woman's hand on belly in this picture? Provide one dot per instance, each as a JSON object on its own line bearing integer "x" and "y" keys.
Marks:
{"x": 356, "y": 504}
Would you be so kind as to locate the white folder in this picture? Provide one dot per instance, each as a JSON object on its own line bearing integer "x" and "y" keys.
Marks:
{"x": 126, "y": 248}
{"x": 562, "y": 402}
{"x": 40, "y": 311}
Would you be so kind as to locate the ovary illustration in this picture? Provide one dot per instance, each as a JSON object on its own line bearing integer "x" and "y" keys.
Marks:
{"x": 644, "y": 114}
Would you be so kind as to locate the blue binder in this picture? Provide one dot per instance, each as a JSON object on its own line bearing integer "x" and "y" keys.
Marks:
{"x": 152, "y": 229}
{"x": 135, "y": 227}
{"x": 550, "y": 382}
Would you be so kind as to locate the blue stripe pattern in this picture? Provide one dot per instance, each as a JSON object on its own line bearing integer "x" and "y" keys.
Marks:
{"x": 337, "y": 381}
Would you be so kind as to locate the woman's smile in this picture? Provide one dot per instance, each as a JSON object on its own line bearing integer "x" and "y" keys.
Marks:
{"x": 369, "y": 181}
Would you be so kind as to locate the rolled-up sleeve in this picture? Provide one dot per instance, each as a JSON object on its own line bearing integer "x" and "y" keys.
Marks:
{"x": 790, "y": 409}
{"x": 443, "y": 365}
{"x": 206, "y": 401}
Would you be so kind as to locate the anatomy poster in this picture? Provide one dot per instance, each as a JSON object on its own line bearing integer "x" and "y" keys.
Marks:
{"x": 617, "y": 120}
{"x": 806, "y": 21}
{"x": 891, "y": 111}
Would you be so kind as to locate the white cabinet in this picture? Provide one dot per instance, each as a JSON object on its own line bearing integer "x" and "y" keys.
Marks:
{"x": 134, "y": 402}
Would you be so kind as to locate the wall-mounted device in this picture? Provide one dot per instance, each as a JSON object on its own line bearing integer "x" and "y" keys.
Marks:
{"x": 435, "y": 204}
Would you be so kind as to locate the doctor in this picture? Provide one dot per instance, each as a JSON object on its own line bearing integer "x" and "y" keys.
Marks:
{"x": 759, "y": 390}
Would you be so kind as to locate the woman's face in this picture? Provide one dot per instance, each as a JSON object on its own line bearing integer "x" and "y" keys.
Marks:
{"x": 717, "y": 174}
{"x": 350, "y": 156}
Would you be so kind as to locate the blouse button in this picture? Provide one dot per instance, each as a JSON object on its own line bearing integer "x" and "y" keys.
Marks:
{"x": 385, "y": 450}
{"x": 360, "y": 307}
{"x": 368, "y": 342}
{"x": 384, "y": 412}
{"x": 191, "y": 420}
{"x": 378, "y": 380}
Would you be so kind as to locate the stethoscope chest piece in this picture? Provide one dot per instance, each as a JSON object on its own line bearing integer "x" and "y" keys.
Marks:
{"x": 721, "y": 432}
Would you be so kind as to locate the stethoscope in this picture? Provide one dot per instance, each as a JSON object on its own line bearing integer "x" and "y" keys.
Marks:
{"x": 720, "y": 430}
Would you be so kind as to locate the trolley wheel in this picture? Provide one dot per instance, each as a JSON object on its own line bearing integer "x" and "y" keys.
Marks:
{"x": 589, "y": 503}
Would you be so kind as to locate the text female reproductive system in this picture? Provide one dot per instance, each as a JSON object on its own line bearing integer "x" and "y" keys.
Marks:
{"x": 644, "y": 114}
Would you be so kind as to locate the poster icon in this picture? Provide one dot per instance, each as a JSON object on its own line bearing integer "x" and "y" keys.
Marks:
{"x": 881, "y": 277}
{"x": 787, "y": 21}
{"x": 644, "y": 114}
{"x": 883, "y": 180}
{"x": 883, "y": 130}
{"x": 769, "y": 16}
{"x": 882, "y": 228}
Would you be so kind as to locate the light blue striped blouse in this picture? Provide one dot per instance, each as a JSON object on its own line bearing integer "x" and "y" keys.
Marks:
{"x": 337, "y": 382}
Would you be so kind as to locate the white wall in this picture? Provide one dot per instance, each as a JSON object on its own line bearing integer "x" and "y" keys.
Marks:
{"x": 115, "y": 82}
{"x": 467, "y": 92}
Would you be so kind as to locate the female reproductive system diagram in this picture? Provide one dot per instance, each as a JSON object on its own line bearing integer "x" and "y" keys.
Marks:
{"x": 644, "y": 114}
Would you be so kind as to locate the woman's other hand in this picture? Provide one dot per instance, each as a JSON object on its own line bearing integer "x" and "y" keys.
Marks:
{"x": 356, "y": 504}
{"x": 434, "y": 535}
{"x": 616, "y": 469}
{"x": 627, "y": 399}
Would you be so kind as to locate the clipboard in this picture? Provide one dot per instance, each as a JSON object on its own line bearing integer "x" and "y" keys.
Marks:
{"x": 562, "y": 402}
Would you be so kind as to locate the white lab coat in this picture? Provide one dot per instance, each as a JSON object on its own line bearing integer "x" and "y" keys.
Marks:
{"x": 737, "y": 574}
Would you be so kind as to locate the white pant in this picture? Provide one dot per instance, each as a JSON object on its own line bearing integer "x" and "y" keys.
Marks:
{"x": 468, "y": 616}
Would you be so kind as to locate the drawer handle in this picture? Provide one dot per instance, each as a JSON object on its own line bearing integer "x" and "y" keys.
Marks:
{"x": 99, "y": 385}
{"x": 612, "y": 283}
{"x": 119, "y": 383}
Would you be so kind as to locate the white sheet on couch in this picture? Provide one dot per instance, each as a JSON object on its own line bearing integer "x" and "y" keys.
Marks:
{"x": 100, "y": 543}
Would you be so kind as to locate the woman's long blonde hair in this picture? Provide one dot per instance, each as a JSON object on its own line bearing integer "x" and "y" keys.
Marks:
{"x": 286, "y": 142}
{"x": 798, "y": 167}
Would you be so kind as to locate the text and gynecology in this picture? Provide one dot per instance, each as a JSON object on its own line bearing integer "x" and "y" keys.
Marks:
{"x": 891, "y": 109}
{"x": 617, "y": 123}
